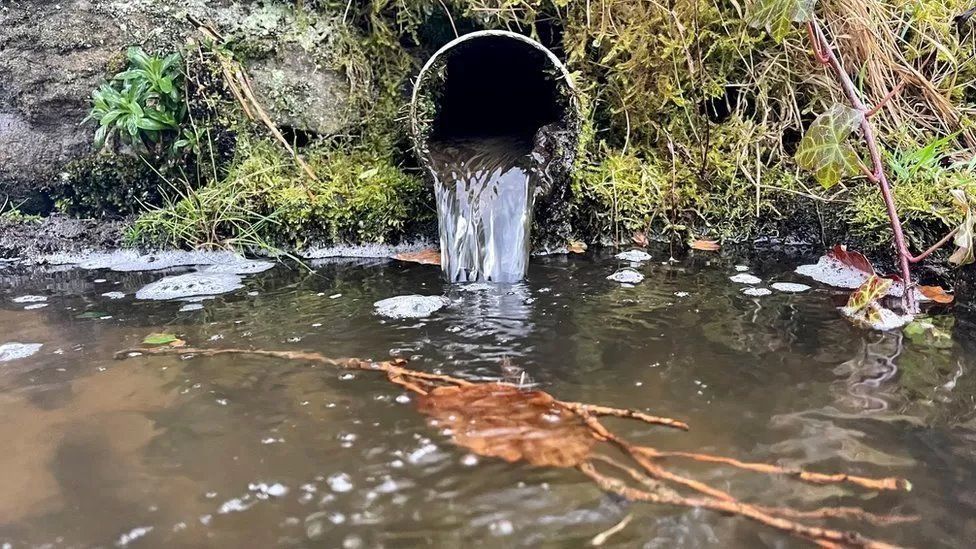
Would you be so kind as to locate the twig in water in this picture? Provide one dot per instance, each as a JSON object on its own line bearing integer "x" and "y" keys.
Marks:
{"x": 493, "y": 415}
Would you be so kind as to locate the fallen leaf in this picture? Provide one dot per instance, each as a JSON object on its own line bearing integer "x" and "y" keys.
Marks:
{"x": 576, "y": 247}
{"x": 855, "y": 260}
{"x": 706, "y": 245}
{"x": 430, "y": 256}
{"x": 640, "y": 239}
{"x": 160, "y": 339}
{"x": 936, "y": 294}
{"x": 873, "y": 289}
{"x": 497, "y": 420}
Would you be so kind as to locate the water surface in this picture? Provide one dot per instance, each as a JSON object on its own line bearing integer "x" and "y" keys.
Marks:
{"x": 259, "y": 452}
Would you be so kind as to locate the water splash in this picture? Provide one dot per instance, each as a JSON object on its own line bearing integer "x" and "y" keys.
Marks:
{"x": 485, "y": 193}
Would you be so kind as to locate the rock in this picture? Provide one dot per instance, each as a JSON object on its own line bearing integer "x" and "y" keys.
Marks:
{"x": 410, "y": 306}
{"x": 300, "y": 94}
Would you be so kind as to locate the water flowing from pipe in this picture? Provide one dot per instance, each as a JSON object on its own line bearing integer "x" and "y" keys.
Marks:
{"x": 484, "y": 192}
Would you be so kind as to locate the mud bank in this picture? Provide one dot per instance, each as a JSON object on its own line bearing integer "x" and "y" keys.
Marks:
{"x": 33, "y": 238}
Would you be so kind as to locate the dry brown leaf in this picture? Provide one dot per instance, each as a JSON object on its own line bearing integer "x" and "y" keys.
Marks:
{"x": 705, "y": 245}
{"x": 576, "y": 247}
{"x": 936, "y": 294}
{"x": 640, "y": 239}
{"x": 430, "y": 256}
{"x": 503, "y": 421}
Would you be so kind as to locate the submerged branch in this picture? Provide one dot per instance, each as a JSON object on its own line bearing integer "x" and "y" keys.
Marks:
{"x": 489, "y": 417}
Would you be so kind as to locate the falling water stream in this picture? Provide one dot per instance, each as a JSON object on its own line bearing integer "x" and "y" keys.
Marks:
{"x": 484, "y": 191}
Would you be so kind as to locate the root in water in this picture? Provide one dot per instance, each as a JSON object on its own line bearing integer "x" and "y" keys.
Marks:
{"x": 502, "y": 420}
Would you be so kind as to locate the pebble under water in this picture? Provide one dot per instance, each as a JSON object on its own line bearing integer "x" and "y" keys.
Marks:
{"x": 247, "y": 451}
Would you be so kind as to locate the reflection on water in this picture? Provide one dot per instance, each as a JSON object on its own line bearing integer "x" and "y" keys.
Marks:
{"x": 251, "y": 451}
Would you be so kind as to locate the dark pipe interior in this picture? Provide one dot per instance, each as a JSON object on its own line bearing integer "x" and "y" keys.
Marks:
{"x": 496, "y": 86}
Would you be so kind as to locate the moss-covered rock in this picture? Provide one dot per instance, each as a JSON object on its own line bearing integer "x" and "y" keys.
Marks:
{"x": 107, "y": 186}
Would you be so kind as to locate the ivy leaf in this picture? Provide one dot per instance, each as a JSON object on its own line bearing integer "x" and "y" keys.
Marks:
{"x": 873, "y": 289}
{"x": 824, "y": 149}
{"x": 964, "y": 237}
{"x": 778, "y": 16}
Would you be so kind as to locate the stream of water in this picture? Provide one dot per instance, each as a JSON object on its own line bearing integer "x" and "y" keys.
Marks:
{"x": 484, "y": 193}
{"x": 247, "y": 451}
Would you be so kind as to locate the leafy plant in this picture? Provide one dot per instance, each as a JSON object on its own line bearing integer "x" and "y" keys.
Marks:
{"x": 825, "y": 150}
{"x": 142, "y": 105}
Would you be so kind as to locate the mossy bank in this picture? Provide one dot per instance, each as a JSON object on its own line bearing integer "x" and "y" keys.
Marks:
{"x": 691, "y": 118}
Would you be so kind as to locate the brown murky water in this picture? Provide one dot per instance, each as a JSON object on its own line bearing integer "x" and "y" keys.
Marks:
{"x": 260, "y": 452}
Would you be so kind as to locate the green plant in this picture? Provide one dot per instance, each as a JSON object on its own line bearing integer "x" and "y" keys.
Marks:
{"x": 143, "y": 105}
{"x": 826, "y": 151}
{"x": 11, "y": 213}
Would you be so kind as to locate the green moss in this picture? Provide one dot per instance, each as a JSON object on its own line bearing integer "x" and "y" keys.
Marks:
{"x": 107, "y": 185}
{"x": 360, "y": 196}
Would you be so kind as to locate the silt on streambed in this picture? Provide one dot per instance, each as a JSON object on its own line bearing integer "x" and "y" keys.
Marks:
{"x": 248, "y": 450}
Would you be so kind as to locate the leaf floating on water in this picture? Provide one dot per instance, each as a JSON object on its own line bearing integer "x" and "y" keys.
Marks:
{"x": 576, "y": 247}
{"x": 160, "y": 339}
{"x": 705, "y": 245}
{"x": 497, "y": 420}
{"x": 873, "y": 289}
{"x": 853, "y": 259}
{"x": 864, "y": 309}
{"x": 936, "y": 294}
{"x": 429, "y": 256}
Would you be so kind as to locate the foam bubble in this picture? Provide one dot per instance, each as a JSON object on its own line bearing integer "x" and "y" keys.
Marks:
{"x": 626, "y": 276}
{"x": 634, "y": 256}
{"x": 15, "y": 351}
{"x": 410, "y": 306}
{"x": 190, "y": 284}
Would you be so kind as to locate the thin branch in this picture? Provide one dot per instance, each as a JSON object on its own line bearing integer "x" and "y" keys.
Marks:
{"x": 945, "y": 239}
{"x": 877, "y": 108}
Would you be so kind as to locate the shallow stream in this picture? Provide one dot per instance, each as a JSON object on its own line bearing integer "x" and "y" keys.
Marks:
{"x": 246, "y": 451}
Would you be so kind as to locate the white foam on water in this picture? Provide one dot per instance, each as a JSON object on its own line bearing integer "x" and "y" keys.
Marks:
{"x": 190, "y": 284}
{"x": 886, "y": 319}
{"x": 364, "y": 251}
{"x": 745, "y": 278}
{"x": 133, "y": 535}
{"x": 35, "y": 306}
{"x": 29, "y": 299}
{"x": 410, "y": 306}
{"x": 634, "y": 256}
{"x": 114, "y": 295}
{"x": 130, "y": 261}
{"x": 626, "y": 276}
{"x": 15, "y": 351}
{"x": 191, "y": 307}
{"x": 757, "y": 292}
{"x": 789, "y": 287}
{"x": 832, "y": 272}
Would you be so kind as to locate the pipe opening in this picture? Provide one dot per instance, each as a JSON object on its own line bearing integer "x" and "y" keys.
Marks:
{"x": 494, "y": 87}
{"x": 491, "y": 84}
{"x": 490, "y": 113}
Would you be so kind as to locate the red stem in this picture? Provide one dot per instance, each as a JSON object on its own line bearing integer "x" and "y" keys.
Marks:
{"x": 823, "y": 48}
{"x": 936, "y": 246}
